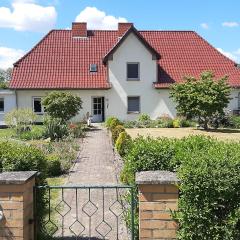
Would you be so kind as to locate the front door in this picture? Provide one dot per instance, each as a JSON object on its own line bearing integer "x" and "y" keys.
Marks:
{"x": 97, "y": 109}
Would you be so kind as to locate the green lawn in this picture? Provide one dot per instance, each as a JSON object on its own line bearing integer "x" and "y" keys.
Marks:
{"x": 6, "y": 133}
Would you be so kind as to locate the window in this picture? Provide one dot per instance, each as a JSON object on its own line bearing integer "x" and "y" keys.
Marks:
{"x": 93, "y": 67}
{"x": 1, "y": 104}
{"x": 133, "y": 104}
{"x": 37, "y": 105}
{"x": 238, "y": 100}
{"x": 133, "y": 71}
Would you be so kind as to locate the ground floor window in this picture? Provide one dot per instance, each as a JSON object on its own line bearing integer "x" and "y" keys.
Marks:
{"x": 37, "y": 105}
{"x": 1, "y": 104}
{"x": 134, "y": 104}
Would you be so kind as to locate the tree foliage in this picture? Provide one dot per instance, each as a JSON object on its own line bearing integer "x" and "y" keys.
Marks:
{"x": 62, "y": 105}
{"x": 202, "y": 98}
{"x": 5, "y": 77}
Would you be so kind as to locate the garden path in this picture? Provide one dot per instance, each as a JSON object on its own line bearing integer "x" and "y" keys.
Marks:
{"x": 94, "y": 166}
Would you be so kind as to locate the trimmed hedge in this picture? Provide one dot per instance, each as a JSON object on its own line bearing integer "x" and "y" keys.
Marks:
{"x": 209, "y": 204}
{"x": 123, "y": 143}
{"x": 116, "y": 131}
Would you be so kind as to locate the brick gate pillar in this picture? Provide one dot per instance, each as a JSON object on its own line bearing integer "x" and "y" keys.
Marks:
{"x": 16, "y": 205}
{"x": 158, "y": 195}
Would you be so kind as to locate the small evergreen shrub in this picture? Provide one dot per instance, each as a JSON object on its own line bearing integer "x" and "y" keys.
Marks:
{"x": 109, "y": 120}
{"x": 114, "y": 123}
{"x": 116, "y": 131}
{"x": 53, "y": 165}
{"x": 123, "y": 143}
{"x": 143, "y": 117}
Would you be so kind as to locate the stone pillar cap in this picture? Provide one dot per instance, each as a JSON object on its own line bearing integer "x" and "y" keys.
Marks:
{"x": 156, "y": 177}
{"x": 16, "y": 177}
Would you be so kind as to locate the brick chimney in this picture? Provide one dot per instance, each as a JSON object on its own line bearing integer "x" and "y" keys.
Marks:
{"x": 123, "y": 27}
{"x": 79, "y": 29}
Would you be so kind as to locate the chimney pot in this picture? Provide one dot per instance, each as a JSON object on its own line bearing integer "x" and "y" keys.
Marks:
{"x": 79, "y": 29}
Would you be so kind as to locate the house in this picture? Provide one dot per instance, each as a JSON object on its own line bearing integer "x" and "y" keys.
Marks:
{"x": 117, "y": 73}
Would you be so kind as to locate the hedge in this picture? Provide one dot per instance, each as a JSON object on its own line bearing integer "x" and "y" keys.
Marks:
{"x": 209, "y": 170}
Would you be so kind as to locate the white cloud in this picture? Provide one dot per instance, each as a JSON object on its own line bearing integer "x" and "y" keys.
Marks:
{"x": 8, "y": 56}
{"x": 26, "y": 15}
{"x": 229, "y": 54}
{"x": 204, "y": 25}
{"x": 237, "y": 52}
{"x": 230, "y": 24}
{"x": 97, "y": 19}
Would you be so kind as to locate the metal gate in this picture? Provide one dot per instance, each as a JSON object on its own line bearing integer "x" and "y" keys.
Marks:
{"x": 84, "y": 212}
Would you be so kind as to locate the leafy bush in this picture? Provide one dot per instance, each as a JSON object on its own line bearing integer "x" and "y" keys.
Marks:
{"x": 113, "y": 123}
{"x": 20, "y": 119}
{"x": 123, "y": 143}
{"x": 176, "y": 123}
{"x": 116, "y": 131}
{"x": 147, "y": 154}
{"x": 209, "y": 206}
{"x": 53, "y": 165}
{"x": 144, "y": 117}
{"x": 36, "y": 132}
{"x": 15, "y": 156}
{"x": 55, "y": 129}
{"x": 62, "y": 105}
{"x": 109, "y": 121}
{"x": 165, "y": 122}
{"x": 235, "y": 122}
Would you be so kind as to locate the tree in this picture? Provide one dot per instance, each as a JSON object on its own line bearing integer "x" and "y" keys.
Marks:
{"x": 62, "y": 105}
{"x": 201, "y": 98}
{"x": 5, "y": 77}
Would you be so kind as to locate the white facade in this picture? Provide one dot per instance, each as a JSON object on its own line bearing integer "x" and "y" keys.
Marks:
{"x": 8, "y": 99}
{"x": 155, "y": 102}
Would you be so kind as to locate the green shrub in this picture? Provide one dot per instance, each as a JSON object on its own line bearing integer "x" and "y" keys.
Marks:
{"x": 143, "y": 117}
{"x": 37, "y": 132}
{"x": 176, "y": 123}
{"x": 53, "y": 165}
{"x": 147, "y": 154}
{"x": 109, "y": 121}
{"x": 209, "y": 206}
{"x": 123, "y": 143}
{"x": 20, "y": 119}
{"x": 116, "y": 131}
{"x": 55, "y": 129}
{"x": 113, "y": 123}
{"x": 62, "y": 105}
{"x": 15, "y": 156}
{"x": 165, "y": 122}
{"x": 235, "y": 121}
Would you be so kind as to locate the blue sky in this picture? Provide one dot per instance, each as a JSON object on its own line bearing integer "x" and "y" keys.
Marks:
{"x": 24, "y": 22}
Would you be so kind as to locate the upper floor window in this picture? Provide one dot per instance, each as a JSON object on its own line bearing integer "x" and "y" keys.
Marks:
{"x": 133, "y": 71}
{"x": 93, "y": 67}
{"x": 1, "y": 104}
{"x": 37, "y": 105}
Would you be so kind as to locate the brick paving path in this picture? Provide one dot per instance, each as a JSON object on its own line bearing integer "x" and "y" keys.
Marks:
{"x": 95, "y": 166}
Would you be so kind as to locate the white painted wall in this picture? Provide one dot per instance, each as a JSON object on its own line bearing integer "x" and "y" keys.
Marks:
{"x": 152, "y": 101}
{"x": 9, "y": 103}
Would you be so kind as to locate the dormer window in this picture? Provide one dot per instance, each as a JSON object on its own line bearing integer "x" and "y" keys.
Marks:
{"x": 133, "y": 72}
{"x": 93, "y": 67}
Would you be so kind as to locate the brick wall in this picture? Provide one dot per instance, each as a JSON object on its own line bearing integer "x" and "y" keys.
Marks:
{"x": 16, "y": 204}
{"x": 156, "y": 200}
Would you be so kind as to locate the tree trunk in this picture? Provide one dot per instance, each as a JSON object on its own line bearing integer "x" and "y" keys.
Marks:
{"x": 205, "y": 125}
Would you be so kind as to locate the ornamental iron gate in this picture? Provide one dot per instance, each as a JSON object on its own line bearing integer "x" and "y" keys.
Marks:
{"x": 84, "y": 212}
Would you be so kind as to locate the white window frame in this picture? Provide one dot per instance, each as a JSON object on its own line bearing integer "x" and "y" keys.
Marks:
{"x": 3, "y": 105}
{"x": 134, "y": 112}
{"x": 42, "y": 109}
{"x": 133, "y": 79}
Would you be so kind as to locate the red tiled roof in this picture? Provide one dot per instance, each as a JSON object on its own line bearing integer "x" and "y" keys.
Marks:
{"x": 60, "y": 61}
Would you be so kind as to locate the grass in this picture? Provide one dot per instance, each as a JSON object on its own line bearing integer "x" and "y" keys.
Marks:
{"x": 220, "y": 134}
{"x": 6, "y": 133}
